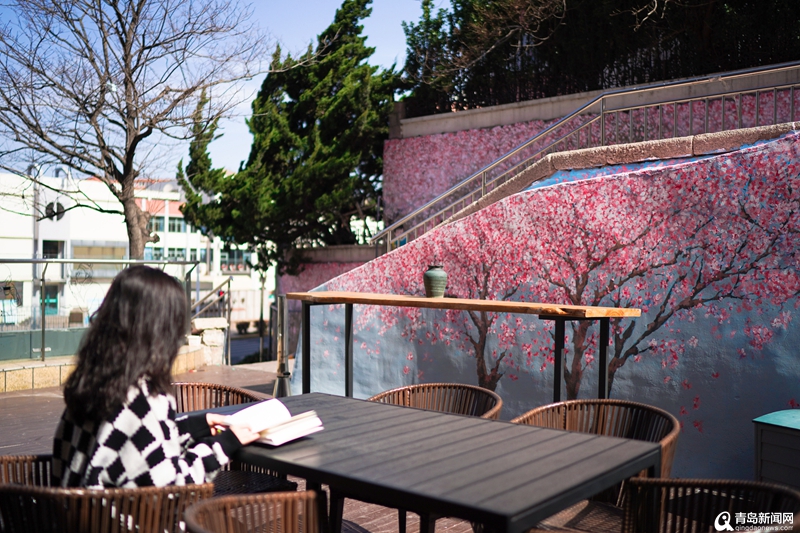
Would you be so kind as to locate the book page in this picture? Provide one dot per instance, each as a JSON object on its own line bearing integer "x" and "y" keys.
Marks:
{"x": 262, "y": 415}
{"x": 299, "y": 426}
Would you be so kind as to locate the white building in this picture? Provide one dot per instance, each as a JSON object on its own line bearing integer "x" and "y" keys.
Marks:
{"x": 88, "y": 233}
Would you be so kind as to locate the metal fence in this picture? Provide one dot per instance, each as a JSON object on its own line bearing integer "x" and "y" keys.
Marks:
{"x": 64, "y": 294}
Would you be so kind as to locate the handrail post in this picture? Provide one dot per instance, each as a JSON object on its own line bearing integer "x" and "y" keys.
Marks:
{"x": 483, "y": 184}
{"x": 187, "y": 288}
{"x": 228, "y": 335}
{"x": 602, "y": 122}
{"x": 774, "y": 106}
{"x": 41, "y": 295}
{"x": 758, "y": 108}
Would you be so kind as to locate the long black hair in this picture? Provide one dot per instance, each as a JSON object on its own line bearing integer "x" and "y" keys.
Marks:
{"x": 135, "y": 333}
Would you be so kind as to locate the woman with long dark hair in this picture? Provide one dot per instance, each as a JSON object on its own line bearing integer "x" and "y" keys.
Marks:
{"x": 119, "y": 428}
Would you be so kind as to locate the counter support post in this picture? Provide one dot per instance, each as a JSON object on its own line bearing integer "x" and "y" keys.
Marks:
{"x": 348, "y": 350}
{"x": 558, "y": 363}
{"x": 602, "y": 383}
{"x": 306, "y": 347}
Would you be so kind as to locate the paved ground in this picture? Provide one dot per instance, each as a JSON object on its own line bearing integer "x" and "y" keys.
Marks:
{"x": 28, "y": 419}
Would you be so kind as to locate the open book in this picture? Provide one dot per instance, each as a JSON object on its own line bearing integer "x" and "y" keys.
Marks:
{"x": 276, "y": 425}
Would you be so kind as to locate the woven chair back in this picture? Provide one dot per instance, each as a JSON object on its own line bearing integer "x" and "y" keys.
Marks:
{"x": 197, "y": 396}
{"x": 33, "y": 470}
{"x": 25, "y": 509}
{"x": 693, "y": 505}
{"x": 615, "y": 418}
{"x": 446, "y": 398}
{"x": 276, "y": 512}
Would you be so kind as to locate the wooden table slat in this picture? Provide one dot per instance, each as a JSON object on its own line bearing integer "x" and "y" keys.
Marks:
{"x": 507, "y": 460}
{"x": 396, "y": 438}
{"x": 552, "y": 480}
{"x": 451, "y": 446}
{"x": 557, "y": 468}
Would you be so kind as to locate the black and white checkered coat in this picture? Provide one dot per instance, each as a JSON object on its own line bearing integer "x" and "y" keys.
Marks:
{"x": 142, "y": 444}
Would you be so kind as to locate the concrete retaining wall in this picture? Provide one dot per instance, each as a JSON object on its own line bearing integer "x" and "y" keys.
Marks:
{"x": 53, "y": 373}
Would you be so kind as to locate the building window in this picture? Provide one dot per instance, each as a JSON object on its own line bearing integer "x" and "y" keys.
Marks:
{"x": 158, "y": 254}
{"x": 52, "y": 249}
{"x": 97, "y": 270}
{"x": 176, "y": 254}
{"x": 234, "y": 260}
{"x": 51, "y": 300}
{"x": 10, "y": 300}
{"x": 193, "y": 254}
{"x": 177, "y": 225}
{"x": 11, "y": 291}
{"x": 203, "y": 253}
{"x": 156, "y": 224}
{"x": 98, "y": 252}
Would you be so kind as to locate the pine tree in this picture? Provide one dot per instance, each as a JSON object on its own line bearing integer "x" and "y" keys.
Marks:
{"x": 319, "y": 123}
{"x": 199, "y": 177}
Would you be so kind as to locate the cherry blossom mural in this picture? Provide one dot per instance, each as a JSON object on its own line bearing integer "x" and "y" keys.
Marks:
{"x": 705, "y": 247}
{"x": 313, "y": 275}
{"x": 418, "y": 169}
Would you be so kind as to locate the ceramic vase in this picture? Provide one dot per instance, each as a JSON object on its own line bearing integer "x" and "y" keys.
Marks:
{"x": 435, "y": 279}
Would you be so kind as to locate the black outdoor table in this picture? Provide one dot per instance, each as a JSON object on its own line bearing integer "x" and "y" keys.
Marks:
{"x": 505, "y": 476}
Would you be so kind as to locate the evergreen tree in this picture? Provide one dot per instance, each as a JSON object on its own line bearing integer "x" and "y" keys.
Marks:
{"x": 494, "y": 52}
{"x": 319, "y": 123}
{"x": 199, "y": 173}
{"x": 428, "y": 67}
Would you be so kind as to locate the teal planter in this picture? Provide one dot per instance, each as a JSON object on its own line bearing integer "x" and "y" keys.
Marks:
{"x": 435, "y": 279}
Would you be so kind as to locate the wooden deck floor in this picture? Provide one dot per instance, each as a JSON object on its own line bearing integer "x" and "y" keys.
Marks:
{"x": 28, "y": 420}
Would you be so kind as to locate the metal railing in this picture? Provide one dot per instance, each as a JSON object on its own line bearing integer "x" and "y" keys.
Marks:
{"x": 89, "y": 263}
{"x": 218, "y": 301}
{"x": 651, "y": 112}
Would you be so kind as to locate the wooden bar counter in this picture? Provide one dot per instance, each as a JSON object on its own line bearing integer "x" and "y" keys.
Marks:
{"x": 559, "y": 313}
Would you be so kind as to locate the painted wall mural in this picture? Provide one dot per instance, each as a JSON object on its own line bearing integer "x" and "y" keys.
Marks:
{"x": 313, "y": 275}
{"x": 417, "y": 169}
{"x": 707, "y": 248}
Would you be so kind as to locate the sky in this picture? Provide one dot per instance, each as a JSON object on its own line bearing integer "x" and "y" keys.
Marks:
{"x": 294, "y": 24}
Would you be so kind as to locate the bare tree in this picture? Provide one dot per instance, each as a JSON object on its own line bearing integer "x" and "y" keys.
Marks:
{"x": 103, "y": 86}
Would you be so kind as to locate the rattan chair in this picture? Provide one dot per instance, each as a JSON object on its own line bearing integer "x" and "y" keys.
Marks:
{"x": 29, "y": 508}
{"x": 277, "y": 512}
{"x": 33, "y": 470}
{"x": 198, "y": 396}
{"x": 615, "y": 418}
{"x": 693, "y": 505}
{"x": 456, "y": 398}
{"x": 236, "y": 477}
{"x": 28, "y": 502}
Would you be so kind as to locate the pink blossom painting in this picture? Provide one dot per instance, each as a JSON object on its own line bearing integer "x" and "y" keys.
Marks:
{"x": 418, "y": 169}
{"x": 706, "y": 248}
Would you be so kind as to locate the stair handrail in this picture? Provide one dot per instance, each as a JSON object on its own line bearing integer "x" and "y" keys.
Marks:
{"x": 212, "y": 292}
{"x": 717, "y": 77}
